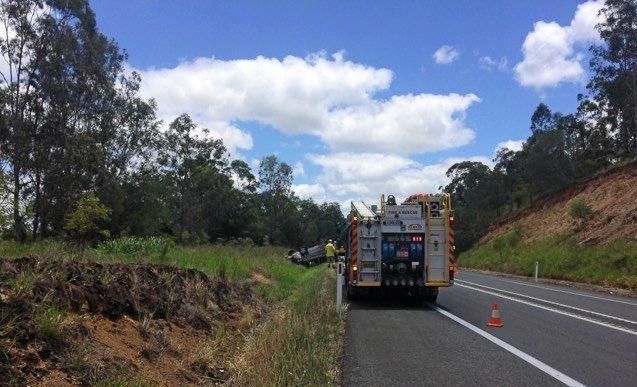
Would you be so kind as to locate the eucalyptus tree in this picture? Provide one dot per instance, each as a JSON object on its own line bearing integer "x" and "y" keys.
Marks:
{"x": 613, "y": 85}
{"x": 72, "y": 121}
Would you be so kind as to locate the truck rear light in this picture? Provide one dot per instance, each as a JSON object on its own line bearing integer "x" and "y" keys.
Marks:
{"x": 354, "y": 267}
{"x": 452, "y": 272}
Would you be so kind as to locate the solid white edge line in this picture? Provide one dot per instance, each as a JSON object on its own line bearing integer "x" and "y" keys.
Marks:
{"x": 560, "y": 291}
{"x": 551, "y": 302}
{"x": 551, "y": 309}
{"x": 508, "y": 347}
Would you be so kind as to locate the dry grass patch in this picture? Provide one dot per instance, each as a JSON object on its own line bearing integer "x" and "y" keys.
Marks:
{"x": 301, "y": 345}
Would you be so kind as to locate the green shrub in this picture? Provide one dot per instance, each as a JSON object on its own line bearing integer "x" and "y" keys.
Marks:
{"x": 579, "y": 209}
{"x": 514, "y": 236}
{"x": 88, "y": 222}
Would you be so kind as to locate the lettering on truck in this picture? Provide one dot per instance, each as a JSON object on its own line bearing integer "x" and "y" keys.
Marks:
{"x": 406, "y": 211}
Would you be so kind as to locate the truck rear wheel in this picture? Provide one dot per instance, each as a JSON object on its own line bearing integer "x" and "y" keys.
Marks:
{"x": 351, "y": 293}
{"x": 430, "y": 295}
{"x": 431, "y": 298}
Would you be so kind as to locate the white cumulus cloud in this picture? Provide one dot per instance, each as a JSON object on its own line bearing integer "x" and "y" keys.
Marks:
{"x": 298, "y": 170}
{"x": 446, "y": 55}
{"x": 490, "y": 64}
{"x": 402, "y": 124}
{"x": 328, "y": 97}
{"x": 310, "y": 191}
{"x": 364, "y": 176}
{"x": 552, "y": 53}
{"x": 514, "y": 145}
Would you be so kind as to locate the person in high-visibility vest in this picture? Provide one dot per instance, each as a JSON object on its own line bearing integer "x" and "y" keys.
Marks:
{"x": 330, "y": 253}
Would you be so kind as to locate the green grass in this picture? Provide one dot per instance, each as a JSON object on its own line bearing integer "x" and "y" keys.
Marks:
{"x": 51, "y": 322}
{"x": 560, "y": 257}
{"x": 23, "y": 283}
{"x": 301, "y": 346}
{"x": 136, "y": 245}
{"x": 235, "y": 262}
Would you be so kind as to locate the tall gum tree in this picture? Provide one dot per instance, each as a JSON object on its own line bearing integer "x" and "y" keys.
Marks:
{"x": 72, "y": 122}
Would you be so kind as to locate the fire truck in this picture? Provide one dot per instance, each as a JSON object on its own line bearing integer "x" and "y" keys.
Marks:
{"x": 405, "y": 248}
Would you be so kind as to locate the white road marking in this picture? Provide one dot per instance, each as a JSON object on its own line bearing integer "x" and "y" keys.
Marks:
{"x": 565, "y": 291}
{"x": 522, "y": 355}
{"x": 601, "y": 323}
{"x": 551, "y": 302}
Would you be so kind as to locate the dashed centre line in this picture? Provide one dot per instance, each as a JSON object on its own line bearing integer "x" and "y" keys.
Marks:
{"x": 515, "y": 351}
{"x": 517, "y": 297}
{"x": 566, "y": 291}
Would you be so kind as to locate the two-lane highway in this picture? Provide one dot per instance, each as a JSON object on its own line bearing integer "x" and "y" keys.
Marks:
{"x": 552, "y": 335}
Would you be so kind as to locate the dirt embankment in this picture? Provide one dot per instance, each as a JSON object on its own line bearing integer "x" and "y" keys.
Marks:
{"x": 68, "y": 323}
{"x": 612, "y": 196}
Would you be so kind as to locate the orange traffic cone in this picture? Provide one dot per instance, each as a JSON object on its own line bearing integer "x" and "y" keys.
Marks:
{"x": 495, "y": 321}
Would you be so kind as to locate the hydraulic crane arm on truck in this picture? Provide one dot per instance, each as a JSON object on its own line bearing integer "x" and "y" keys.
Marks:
{"x": 407, "y": 248}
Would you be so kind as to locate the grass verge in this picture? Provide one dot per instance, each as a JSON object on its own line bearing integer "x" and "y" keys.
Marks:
{"x": 234, "y": 262}
{"x": 560, "y": 257}
{"x": 301, "y": 345}
{"x": 297, "y": 345}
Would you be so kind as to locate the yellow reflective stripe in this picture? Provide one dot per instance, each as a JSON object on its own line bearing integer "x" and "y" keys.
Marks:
{"x": 367, "y": 284}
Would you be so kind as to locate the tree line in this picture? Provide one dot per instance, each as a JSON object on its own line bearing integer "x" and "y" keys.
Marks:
{"x": 80, "y": 146}
{"x": 562, "y": 148}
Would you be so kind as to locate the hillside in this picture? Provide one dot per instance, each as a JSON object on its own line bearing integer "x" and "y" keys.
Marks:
{"x": 611, "y": 195}
{"x": 601, "y": 249}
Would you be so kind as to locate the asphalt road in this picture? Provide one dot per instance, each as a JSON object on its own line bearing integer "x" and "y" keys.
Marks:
{"x": 559, "y": 336}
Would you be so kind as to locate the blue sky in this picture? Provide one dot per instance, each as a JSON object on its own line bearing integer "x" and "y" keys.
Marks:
{"x": 391, "y": 45}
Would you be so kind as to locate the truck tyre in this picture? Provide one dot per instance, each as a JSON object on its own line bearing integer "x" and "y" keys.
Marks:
{"x": 431, "y": 298}
{"x": 351, "y": 295}
{"x": 430, "y": 295}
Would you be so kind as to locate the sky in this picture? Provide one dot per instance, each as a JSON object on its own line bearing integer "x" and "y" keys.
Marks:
{"x": 360, "y": 98}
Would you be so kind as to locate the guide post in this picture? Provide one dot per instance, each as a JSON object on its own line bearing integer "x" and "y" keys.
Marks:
{"x": 339, "y": 289}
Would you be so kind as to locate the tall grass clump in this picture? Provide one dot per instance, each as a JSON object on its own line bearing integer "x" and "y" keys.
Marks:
{"x": 300, "y": 346}
{"x": 135, "y": 245}
{"x": 52, "y": 323}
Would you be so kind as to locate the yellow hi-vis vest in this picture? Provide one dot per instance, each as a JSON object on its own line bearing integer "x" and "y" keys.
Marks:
{"x": 330, "y": 251}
